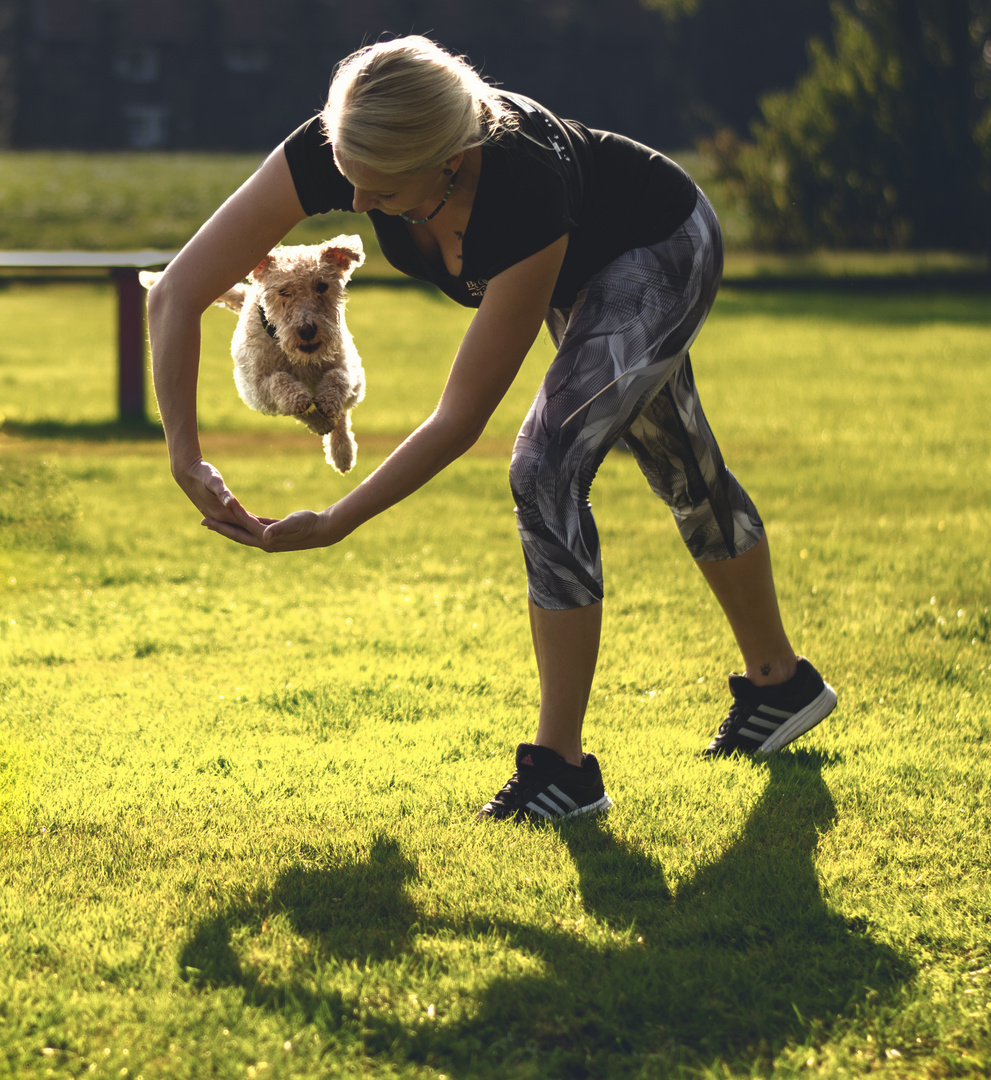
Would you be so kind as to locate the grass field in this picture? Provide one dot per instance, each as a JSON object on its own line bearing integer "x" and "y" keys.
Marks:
{"x": 56, "y": 201}
{"x": 237, "y": 791}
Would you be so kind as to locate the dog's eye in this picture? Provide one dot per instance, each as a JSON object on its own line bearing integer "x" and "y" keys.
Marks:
{"x": 285, "y": 292}
{"x": 322, "y": 286}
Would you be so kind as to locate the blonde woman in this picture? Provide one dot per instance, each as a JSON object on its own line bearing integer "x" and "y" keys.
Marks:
{"x": 526, "y": 218}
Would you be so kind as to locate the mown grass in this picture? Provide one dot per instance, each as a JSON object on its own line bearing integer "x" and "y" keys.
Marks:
{"x": 237, "y": 792}
{"x": 57, "y": 201}
{"x": 61, "y": 201}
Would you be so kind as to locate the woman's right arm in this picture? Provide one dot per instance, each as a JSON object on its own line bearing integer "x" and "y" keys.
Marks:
{"x": 224, "y": 251}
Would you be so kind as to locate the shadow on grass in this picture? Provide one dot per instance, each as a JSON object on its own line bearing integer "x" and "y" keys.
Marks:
{"x": 746, "y": 957}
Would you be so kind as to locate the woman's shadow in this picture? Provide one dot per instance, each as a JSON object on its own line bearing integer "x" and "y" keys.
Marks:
{"x": 746, "y": 956}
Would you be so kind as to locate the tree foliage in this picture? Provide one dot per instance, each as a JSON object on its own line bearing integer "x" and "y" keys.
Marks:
{"x": 725, "y": 54}
{"x": 884, "y": 141}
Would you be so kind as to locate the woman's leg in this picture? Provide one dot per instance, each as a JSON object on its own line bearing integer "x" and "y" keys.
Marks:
{"x": 744, "y": 587}
{"x": 781, "y": 696}
{"x": 628, "y": 334}
{"x": 566, "y": 644}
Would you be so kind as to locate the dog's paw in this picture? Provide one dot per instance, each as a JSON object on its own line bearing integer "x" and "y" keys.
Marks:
{"x": 297, "y": 404}
{"x": 330, "y": 404}
{"x": 317, "y": 422}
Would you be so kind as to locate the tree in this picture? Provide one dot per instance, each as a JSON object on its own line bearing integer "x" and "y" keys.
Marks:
{"x": 885, "y": 141}
{"x": 724, "y": 54}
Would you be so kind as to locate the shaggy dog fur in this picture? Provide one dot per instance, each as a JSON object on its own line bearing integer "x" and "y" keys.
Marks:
{"x": 293, "y": 354}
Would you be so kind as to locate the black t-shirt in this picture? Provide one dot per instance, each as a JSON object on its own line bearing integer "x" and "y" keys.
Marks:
{"x": 539, "y": 181}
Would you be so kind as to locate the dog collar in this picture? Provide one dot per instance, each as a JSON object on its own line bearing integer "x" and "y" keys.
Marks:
{"x": 269, "y": 328}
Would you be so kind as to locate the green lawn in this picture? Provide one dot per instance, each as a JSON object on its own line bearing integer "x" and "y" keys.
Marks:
{"x": 61, "y": 200}
{"x": 237, "y": 791}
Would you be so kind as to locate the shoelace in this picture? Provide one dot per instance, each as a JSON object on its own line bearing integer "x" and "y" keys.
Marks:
{"x": 736, "y": 716}
{"x": 509, "y": 789}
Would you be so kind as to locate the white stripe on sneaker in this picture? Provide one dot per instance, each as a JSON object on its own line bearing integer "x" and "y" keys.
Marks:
{"x": 562, "y": 805}
{"x": 802, "y": 721}
{"x": 603, "y": 803}
{"x": 555, "y": 810}
{"x": 781, "y": 714}
{"x": 559, "y": 794}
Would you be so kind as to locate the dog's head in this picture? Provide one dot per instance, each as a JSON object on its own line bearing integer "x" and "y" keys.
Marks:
{"x": 300, "y": 293}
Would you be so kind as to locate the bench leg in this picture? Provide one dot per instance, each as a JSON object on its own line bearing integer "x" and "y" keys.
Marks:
{"x": 130, "y": 346}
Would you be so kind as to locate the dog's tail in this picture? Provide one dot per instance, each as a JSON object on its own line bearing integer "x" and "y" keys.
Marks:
{"x": 233, "y": 298}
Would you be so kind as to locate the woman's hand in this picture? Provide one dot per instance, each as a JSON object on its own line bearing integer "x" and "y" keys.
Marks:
{"x": 205, "y": 488}
{"x": 297, "y": 532}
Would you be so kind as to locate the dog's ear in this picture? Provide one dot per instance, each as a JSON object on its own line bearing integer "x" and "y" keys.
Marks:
{"x": 343, "y": 253}
{"x": 259, "y": 272}
{"x": 233, "y": 298}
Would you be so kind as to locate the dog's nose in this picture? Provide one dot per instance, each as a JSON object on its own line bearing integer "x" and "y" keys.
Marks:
{"x": 307, "y": 331}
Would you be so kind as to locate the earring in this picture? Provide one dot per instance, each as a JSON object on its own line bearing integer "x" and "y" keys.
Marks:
{"x": 448, "y": 172}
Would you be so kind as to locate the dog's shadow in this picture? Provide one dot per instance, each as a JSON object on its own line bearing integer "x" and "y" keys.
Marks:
{"x": 354, "y": 909}
{"x": 746, "y": 956}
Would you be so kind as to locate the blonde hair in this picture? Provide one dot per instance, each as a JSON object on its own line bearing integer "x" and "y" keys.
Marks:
{"x": 405, "y": 105}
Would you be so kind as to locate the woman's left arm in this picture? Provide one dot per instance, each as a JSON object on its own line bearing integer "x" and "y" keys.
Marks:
{"x": 490, "y": 355}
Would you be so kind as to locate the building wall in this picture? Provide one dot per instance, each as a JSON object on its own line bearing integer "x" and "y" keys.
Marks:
{"x": 241, "y": 74}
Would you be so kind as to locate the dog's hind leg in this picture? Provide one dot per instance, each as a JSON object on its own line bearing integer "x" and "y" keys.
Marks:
{"x": 339, "y": 446}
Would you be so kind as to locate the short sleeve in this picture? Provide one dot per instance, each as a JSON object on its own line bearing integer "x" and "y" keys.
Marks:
{"x": 320, "y": 185}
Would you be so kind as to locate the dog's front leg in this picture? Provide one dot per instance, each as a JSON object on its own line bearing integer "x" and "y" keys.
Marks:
{"x": 317, "y": 422}
{"x": 334, "y": 393}
{"x": 288, "y": 395}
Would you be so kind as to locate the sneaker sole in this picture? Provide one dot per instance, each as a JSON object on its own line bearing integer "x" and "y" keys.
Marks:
{"x": 804, "y": 720}
{"x": 600, "y": 806}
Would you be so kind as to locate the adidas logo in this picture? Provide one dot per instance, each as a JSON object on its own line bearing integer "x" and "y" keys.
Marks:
{"x": 528, "y": 760}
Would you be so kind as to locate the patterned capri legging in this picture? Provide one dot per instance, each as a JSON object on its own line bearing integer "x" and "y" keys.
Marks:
{"x": 622, "y": 371}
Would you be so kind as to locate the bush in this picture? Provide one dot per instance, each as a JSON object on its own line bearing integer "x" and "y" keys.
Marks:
{"x": 875, "y": 146}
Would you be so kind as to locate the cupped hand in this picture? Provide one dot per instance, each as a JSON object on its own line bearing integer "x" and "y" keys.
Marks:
{"x": 297, "y": 532}
{"x": 206, "y": 490}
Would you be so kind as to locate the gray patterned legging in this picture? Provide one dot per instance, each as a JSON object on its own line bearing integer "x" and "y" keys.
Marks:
{"x": 622, "y": 371}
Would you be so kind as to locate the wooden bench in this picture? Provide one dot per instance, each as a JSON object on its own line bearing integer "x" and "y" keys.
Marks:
{"x": 122, "y": 268}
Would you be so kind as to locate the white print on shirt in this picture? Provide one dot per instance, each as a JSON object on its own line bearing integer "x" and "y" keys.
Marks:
{"x": 558, "y": 148}
{"x": 476, "y": 288}
{"x": 552, "y": 139}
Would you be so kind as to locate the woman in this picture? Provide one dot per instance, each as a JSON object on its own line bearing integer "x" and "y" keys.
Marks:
{"x": 523, "y": 216}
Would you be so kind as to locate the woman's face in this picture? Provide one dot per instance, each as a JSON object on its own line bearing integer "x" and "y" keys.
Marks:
{"x": 395, "y": 194}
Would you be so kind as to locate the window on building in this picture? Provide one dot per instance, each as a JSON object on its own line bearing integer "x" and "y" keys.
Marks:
{"x": 147, "y": 126}
{"x": 138, "y": 64}
{"x": 246, "y": 59}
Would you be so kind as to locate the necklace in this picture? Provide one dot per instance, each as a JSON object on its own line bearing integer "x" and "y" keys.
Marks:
{"x": 437, "y": 209}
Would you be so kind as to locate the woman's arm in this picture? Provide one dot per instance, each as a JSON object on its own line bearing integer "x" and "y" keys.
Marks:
{"x": 224, "y": 251}
{"x": 497, "y": 341}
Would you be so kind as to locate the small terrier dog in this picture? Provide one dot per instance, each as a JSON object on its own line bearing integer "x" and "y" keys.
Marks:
{"x": 293, "y": 354}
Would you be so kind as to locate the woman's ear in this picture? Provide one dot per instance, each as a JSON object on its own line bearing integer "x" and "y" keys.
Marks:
{"x": 454, "y": 163}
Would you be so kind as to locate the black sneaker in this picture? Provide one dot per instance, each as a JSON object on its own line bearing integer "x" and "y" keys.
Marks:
{"x": 765, "y": 718}
{"x": 545, "y": 786}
